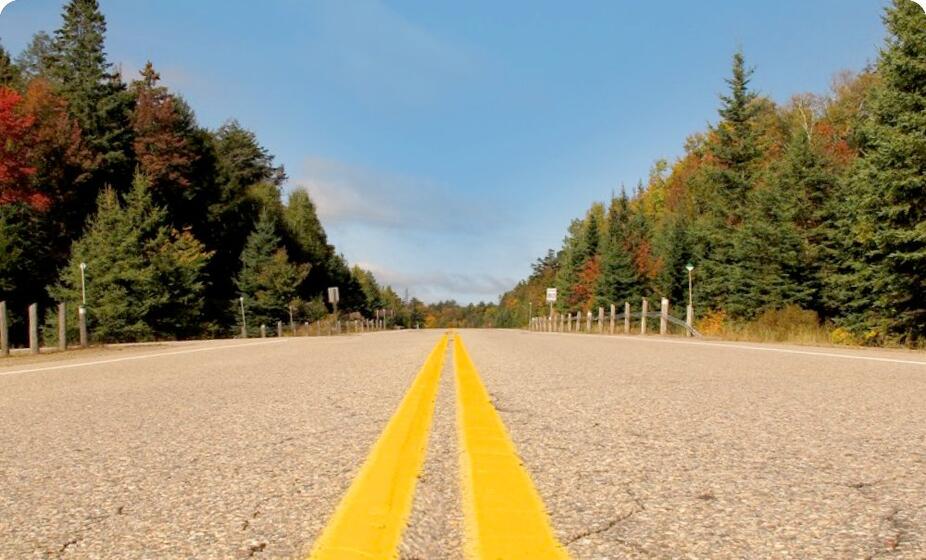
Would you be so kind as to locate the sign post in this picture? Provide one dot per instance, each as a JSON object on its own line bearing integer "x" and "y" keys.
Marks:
{"x": 551, "y": 299}
{"x": 333, "y": 298}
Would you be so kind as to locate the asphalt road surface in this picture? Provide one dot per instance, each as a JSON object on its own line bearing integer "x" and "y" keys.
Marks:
{"x": 638, "y": 448}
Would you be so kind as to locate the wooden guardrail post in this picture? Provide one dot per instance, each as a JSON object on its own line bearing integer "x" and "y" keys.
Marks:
{"x": 62, "y": 326}
{"x": 689, "y": 319}
{"x": 664, "y": 317}
{"x": 588, "y": 322}
{"x": 4, "y": 331}
{"x": 279, "y": 329}
{"x": 611, "y": 326}
{"x": 626, "y": 317}
{"x": 263, "y": 331}
{"x": 643, "y": 316}
{"x": 600, "y": 320}
{"x": 82, "y": 325}
{"x": 34, "y": 328}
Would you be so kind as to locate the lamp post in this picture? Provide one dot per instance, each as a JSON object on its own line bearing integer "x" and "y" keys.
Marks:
{"x": 82, "y": 310}
{"x": 689, "y": 267}
{"x": 689, "y": 315}
{"x": 83, "y": 282}
{"x": 244, "y": 321}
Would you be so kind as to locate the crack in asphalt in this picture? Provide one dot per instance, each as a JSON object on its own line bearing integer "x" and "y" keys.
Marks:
{"x": 67, "y": 545}
{"x": 610, "y": 524}
{"x": 892, "y": 543}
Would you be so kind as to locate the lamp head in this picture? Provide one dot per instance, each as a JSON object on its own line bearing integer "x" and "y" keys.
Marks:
{"x": 689, "y": 267}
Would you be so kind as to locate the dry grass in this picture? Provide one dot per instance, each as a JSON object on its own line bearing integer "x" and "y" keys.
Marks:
{"x": 791, "y": 325}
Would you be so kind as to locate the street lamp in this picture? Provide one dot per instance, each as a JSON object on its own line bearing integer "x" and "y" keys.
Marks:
{"x": 244, "y": 321}
{"x": 689, "y": 267}
{"x": 83, "y": 281}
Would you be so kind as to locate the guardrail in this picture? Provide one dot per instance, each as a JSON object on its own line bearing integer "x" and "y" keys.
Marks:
{"x": 629, "y": 321}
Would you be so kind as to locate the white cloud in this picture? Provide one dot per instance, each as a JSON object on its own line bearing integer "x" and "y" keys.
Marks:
{"x": 348, "y": 194}
{"x": 438, "y": 285}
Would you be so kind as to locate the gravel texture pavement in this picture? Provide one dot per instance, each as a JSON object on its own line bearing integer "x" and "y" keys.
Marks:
{"x": 232, "y": 453}
{"x": 649, "y": 449}
{"x": 639, "y": 448}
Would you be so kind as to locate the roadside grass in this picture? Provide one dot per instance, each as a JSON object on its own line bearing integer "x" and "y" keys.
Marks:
{"x": 790, "y": 325}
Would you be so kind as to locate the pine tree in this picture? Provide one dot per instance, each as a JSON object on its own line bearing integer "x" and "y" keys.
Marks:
{"x": 736, "y": 149}
{"x": 33, "y": 61}
{"x": 96, "y": 96}
{"x": 161, "y": 137}
{"x": 673, "y": 250}
{"x": 618, "y": 281}
{"x": 143, "y": 279}
{"x": 268, "y": 281}
{"x": 310, "y": 245}
{"x": 723, "y": 193}
{"x": 807, "y": 184}
{"x": 10, "y": 75}
{"x": 768, "y": 255}
{"x": 77, "y": 61}
{"x": 886, "y": 256}
{"x": 373, "y": 293}
{"x": 118, "y": 282}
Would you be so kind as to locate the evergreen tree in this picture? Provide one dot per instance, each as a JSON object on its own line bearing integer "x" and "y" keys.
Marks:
{"x": 886, "y": 253}
{"x": 618, "y": 281}
{"x": 673, "y": 249}
{"x": 162, "y": 137}
{"x": 143, "y": 279}
{"x": 306, "y": 229}
{"x": 571, "y": 260}
{"x": 768, "y": 257}
{"x": 736, "y": 149}
{"x": 118, "y": 282}
{"x": 807, "y": 184}
{"x": 268, "y": 280}
{"x": 33, "y": 60}
{"x": 240, "y": 164}
{"x": 9, "y": 73}
{"x": 723, "y": 193}
{"x": 373, "y": 293}
{"x": 96, "y": 96}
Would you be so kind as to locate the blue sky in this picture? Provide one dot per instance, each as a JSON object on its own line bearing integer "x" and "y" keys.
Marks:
{"x": 449, "y": 144}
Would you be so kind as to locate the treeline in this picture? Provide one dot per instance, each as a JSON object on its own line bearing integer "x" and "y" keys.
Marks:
{"x": 819, "y": 203}
{"x": 175, "y": 222}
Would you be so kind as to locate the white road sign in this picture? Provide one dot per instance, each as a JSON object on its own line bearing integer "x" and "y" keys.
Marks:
{"x": 333, "y": 296}
{"x": 551, "y": 295}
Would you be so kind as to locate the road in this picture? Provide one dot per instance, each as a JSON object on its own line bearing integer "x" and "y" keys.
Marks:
{"x": 636, "y": 448}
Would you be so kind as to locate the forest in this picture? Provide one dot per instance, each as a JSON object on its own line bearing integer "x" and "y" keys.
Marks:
{"x": 174, "y": 222}
{"x": 810, "y": 213}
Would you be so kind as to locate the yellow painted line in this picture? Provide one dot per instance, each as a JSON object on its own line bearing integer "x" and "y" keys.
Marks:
{"x": 369, "y": 521}
{"x": 504, "y": 515}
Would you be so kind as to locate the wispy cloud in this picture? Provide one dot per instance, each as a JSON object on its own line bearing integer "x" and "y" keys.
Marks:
{"x": 346, "y": 194}
{"x": 379, "y": 53}
{"x": 436, "y": 285}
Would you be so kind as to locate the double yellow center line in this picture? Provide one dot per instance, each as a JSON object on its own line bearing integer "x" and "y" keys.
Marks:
{"x": 503, "y": 514}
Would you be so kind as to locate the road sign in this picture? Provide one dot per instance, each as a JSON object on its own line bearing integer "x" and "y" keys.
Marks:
{"x": 333, "y": 296}
{"x": 551, "y": 295}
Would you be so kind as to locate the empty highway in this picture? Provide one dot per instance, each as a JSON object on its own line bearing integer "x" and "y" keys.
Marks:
{"x": 606, "y": 447}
